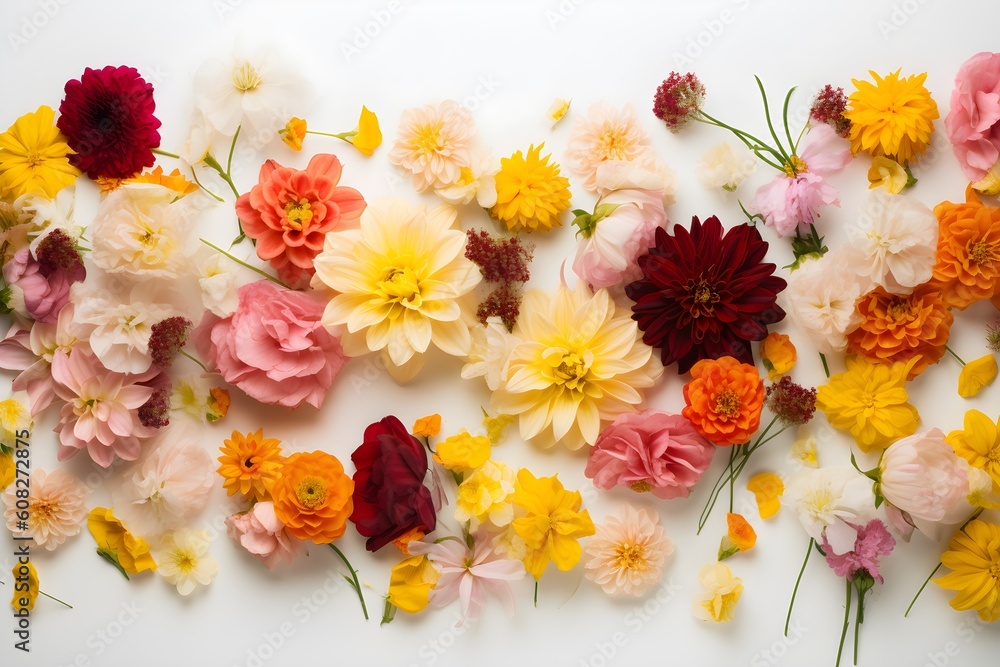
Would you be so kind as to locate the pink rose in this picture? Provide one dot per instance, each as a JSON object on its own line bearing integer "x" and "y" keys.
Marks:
{"x": 650, "y": 451}
{"x": 44, "y": 283}
{"x": 261, "y": 533}
{"x": 972, "y": 122}
{"x": 273, "y": 347}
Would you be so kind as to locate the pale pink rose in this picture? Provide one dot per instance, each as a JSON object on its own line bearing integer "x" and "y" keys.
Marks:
{"x": 973, "y": 121}
{"x": 788, "y": 202}
{"x": 650, "y": 451}
{"x": 43, "y": 287}
{"x": 261, "y": 533}
{"x": 926, "y": 482}
{"x": 274, "y": 347}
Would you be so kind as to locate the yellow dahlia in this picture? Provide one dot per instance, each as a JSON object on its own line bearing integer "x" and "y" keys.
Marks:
{"x": 399, "y": 282}
{"x": 531, "y": 195}
{"x": 893, "y": 117}
{"x": 34, "y": 157}
{"x": 579, "y": 362}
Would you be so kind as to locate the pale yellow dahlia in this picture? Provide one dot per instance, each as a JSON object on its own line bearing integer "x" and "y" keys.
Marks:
{"x": 531, "y": 194}
{"x": 399, "y": 280}
{"x": 893, "y": 117}
{"x": 578, "y": 364}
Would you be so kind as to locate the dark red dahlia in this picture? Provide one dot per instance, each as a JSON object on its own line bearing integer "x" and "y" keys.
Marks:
{"x": 705, "y": 293}
{"x": 390, "y": 498}
{"x": 107, "y": 117}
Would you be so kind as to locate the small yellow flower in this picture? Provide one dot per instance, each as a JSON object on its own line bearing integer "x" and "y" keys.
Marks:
{"x": 974, "y": 557}
{"x": 804, "y": 448}
{"x": 888, "y": 174}
{"x": 722, "y": 592}
{"x": 117, "y": 544}
{"x": 557, "y": 110}
{"x": 486, "y": 495}
{"x": 979, "y": 443}
{"x": 294, "y": 133}
{"x": 428, "y": 426}
{"x": 368, "y": 136}
{"x": 34, "y": 157}
{"x": 175, "y": 180}
{"x": 218, "y": 404}
{"x": 14, "y": 417}
{"x": 403, "y": 541}
{"x": 740, "y": 536}
{"x": 778, "y": 355}
{"x": 767, "y": 488}
{"x": 24, "y": 599}
{"x": 496, "y": 427}
{"x": 976, "y": 374}
{"x": 411, "y": 582}
{"x": 463, "y": 451}
{"x": 531, "y": 194}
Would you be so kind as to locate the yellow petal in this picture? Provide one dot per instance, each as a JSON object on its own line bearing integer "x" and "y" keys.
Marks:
{"x": 24, "y": 599}
{"x": 428, "y": 426}
{"x": 976, "y": 374}
{"x": 804, "y": 448}
{"x": 777, "y": 354}
{"x": 766, "y": 488}
{"x": 369, "y": 136}
{"x": 411, "y": 582}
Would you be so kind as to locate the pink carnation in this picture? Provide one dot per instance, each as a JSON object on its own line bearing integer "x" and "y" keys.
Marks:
{"x": 261, "y": 533}
{"x": 45, "y": 288}
{"x": 274, "y": 347}
{"x": 872, "y": 543}
{"x": 650, "y": 451}
{"x": 972, "y": 122}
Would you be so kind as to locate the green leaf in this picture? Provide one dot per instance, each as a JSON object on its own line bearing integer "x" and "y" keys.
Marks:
{"x": 110, "y": 556}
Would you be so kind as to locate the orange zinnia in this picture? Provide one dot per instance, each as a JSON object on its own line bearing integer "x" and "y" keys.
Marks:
{"x": 898, "y": 327}
{"x": 724, "y": 399}
{"x": 968, "y": 251}
{"x": 312, "y": 497}
{"x": 250, "y": 464}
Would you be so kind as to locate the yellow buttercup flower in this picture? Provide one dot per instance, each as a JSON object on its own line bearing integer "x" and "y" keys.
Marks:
{"x": 722, "y": 592}
{"x": 485, "y": 495}
{"x": 778, "y": 355}
{"x": 117, "y": 544}
{"x": 294, "y": 132}
{"x": 893, "y": 117}
{"x": 24, "y": 599}
{"x": 531, "y": 195}
{"x": 411, "y": 582}
{"x": 552, "y": 523}
{"x": 34, "y": 157}
{"x": 976, "y": 375}
{"x": 463, "y": 451}
{"x": 979, "y": 443}
{"x": 767, "y": 489}
{"x": 368, "y": 136}
{"x": 870, "y": 401}
{"x": 888, "y": 174}
{"x": 428, "y": 426}
{"x": 974, "y": 557}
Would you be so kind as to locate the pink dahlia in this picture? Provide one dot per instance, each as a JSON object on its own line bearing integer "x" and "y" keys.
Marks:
{"x": 289, "y": 212}
{"x": 973, "y": 122}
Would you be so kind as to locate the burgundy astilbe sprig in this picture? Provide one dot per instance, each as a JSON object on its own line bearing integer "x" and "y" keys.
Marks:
{"x": 503, "y": 302}
{"x": 166, "y": 339}
{"x": 792, "y": 403}
{"x": 57, "y": 252}
{"x": 828, "y": 107}
{"x": 678, "y": 99}
{"x": 155, "y": 413}
{"x": 501, "y": 260}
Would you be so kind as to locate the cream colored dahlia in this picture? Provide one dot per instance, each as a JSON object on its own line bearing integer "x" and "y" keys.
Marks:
{"x": 433, "y": 144}
{"x": 628, "y": 552}
{"x": 578, "y": 364}
{"x": 399, "y": 282}
{"x": 606, "y": 133}
{"x": 55, "y": 508}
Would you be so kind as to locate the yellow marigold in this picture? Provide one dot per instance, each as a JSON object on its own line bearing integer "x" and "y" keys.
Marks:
{"x": 551, "y": 524}
{"x": 250, "y": 464}
{"x": 974, "y": 557}
{"x": 724, "y": 399}
{"x": 976, "y": 375}
{"x": 463, "y": 451}
{"x": 411, "y": 582}
{"x": 126, "y": 551}
{"x": 870, "y": 401}
{"x": 777, "y": 354}
{"x": 893, "y": 117}
{"x": 313, "y": 496}
{"x": 531, "y": 195}
{"x": 24, "y": 600}
{"x": 428, "y": 426}
{"x": 900, "y": 327}
{"x": 968, "y": 250}
{"x": 293, "y": 133}
{"x": 979, "y": 443}
{"x": 34, "y": 157}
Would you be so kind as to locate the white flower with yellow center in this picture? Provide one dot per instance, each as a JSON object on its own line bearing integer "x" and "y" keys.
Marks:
{"x": 580, "y": 362}
{"x": 827, "y": 500}
{"x": 604, "y": 134}
{"x": 14, "y": 416}
{"x": 184, "y": 561}
{"x": 476, "y": 181}
{"x": 399, "y": 282}
{"x": 433, "y": 144}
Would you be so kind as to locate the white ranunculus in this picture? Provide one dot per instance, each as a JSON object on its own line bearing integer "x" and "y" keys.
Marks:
{"x": 820, "y": 299}
{"x": 827, "y": 500}
{"x": 217, "y": 279}
{"x": 722, "y": 167}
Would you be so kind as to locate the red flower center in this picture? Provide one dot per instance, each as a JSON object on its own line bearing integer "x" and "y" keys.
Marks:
{"x": 701, "y": 298}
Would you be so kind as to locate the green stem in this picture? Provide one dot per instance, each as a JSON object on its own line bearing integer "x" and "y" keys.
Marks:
{"x": 826, "y": 368}
{"x": 536, "y": 593}
{"x": 858, "y": 620}
{"x": 232, "y": 149}
{"x": 214, "y": 164}
{"x": 184, "y": 352}
{"x": 802, "y": 132}
{"x": 65, "y": 604}
{"x": 212, "y": 194}
{"x": 847, "y": 620}
{"x": 244, "y": 264}
{"x": 798, "y": 580}
{"x": 926, "y": 581}
{"x": 343, "y": 136}
{"x": 733, "y": 451}
{"x": 714, "y": 496}
{"x": 164, "y": 153}
{"x": 770, "y": 126}
{"x": 354, "y": 576}
{"x": 952, "y": 353}
{"x": 784, "y": 119}
{"x": 757, "y": 146}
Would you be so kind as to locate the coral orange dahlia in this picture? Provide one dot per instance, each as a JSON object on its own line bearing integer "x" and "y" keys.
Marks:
{"x": 724, "y": 399}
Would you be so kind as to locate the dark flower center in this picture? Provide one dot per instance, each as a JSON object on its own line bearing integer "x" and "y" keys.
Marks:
{"x": 703, "y": 297}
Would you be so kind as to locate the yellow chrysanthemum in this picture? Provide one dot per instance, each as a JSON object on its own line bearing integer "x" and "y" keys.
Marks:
{"x": 974, "y": 557}
{"x": 250, "y": 464}
{"x": 531, "y": 195}
{"x": 893, "y": 117}
{"x": 870, "y": 401}
{"x": 34, "y": 157}
{"x": 579, "y": 363}
{"x": 399, "y": 282}
{"x": 979, "y": 443}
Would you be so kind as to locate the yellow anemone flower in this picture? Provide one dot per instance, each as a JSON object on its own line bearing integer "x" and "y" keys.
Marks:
{"x": 34, "y": 157}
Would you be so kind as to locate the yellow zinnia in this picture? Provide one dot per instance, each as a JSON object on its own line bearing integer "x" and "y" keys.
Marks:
{"x": 870, "y": 401}
{"x": 578, "y": 364}
{"x": 893, "y": 117}
{"x": 552, "y": 524}
{"x": 531, "y": 195}
{"x": 34, "y": 157}
{"x": 979, "y": 443}
{"x": 250, "y": 464}
{"x": 974, "y": 557}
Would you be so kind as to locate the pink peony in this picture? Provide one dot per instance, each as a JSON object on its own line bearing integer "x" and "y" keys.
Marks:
{"x": 872, "y": 543}
{"x": 650, "y": 451}
{"x": 274, "y": 347}
{"x": 973, "y": 122}
{"x": 43, "y": 286}
{"x": 788, "y": 202}
{"x": 289, "y": 213}
{"x": 261, "y": 533}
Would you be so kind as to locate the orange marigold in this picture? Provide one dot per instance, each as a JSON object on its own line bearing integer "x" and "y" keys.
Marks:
{"x": 250, "y": 464}
{"x": 312, "y": 497}
{"x": 724, "y": 399}
{"x": 968, "y": 251}
{"x": 900, "y": 327}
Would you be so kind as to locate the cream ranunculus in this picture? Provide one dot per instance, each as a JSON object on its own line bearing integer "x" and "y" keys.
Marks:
{"x": 400, "y": 283}
{"x": 579, "y": 363}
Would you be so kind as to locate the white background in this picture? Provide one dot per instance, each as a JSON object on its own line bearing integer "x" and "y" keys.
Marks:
{"x": 508, "y": 61}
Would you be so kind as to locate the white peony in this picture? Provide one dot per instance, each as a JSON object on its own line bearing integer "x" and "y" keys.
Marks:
{"x": 820, "y": 300}
{"x": 827, "y": 500}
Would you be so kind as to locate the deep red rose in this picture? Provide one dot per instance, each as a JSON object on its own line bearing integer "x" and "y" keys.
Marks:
{"x": 705, "y": 293}
{"x": 390, "y": 498}
{"x": 107, "y": 117}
